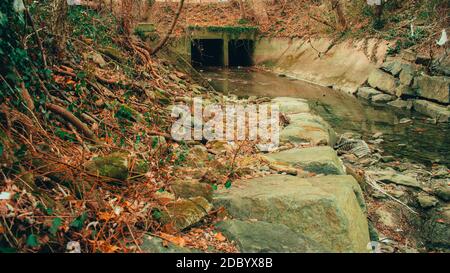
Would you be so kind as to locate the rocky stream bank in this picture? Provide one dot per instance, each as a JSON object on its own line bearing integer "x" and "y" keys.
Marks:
{"x": 318, "y": 192}
{"x": 411, "y": 82}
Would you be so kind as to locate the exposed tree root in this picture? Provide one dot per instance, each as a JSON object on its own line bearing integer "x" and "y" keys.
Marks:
{"x": 68, "y": 116}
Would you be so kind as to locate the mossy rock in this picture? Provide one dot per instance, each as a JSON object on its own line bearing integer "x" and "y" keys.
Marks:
{"x": 114, "y": 166}
{"x": 113, "y": 53}
{"x": 186, "y": 212}
{"x": 328, "y": 209}
{"x": 145, "y": 27}
{"x": 192, "y": 188}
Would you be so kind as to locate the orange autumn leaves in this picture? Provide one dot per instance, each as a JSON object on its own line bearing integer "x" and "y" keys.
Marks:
{"x": 205, "y": 238}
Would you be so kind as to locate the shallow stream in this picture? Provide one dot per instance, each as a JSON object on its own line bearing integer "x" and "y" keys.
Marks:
{"x": 419, "y": 141}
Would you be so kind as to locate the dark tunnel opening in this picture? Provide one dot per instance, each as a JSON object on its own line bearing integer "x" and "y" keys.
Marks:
{"x": 207, "y": 52}
{"x": 240, "y": 52}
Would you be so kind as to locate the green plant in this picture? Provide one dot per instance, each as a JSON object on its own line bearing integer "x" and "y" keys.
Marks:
{"x": 16, "y": 63}
{"x": 394, "y": 50}
{"x": 140, "y": 33}
{"x": 243, "y": 21}
{"x": 78, "y": 223}
{"x": 378, "y": 23}
{"x": 124, "y": 113}
{"x": 65, "y": 135}
{"x": 91, "y": 24}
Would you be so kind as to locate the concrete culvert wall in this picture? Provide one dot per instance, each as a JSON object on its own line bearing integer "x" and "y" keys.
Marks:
{"x": 207, "y": 52}
{"x": 240, "y": 52}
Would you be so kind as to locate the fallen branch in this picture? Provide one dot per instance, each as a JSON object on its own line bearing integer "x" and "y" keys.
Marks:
{"x": 373, "y": 183}
{"x": 68, "y": 116}
{"x": 65, "y": 72}
{"x": 321, "y": 21}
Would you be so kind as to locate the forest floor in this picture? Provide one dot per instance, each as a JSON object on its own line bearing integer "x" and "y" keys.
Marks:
{"x": 92, "y": 174}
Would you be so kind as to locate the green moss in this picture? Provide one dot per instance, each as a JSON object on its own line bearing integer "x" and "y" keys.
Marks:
{"x": 114, "y": 166}
{"x": 231, "y": 30}
{"x": 141, "y": 167}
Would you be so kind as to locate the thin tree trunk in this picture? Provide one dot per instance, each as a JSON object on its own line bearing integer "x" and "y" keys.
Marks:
{"x": 36, "y": 34}
{"x": 379, "y": 11}
{"x": 260, "y": 11}
{"x": 337, "y": 7}
{"x": 169, "y": 32}
{"x": 243, "y": 12}
{"x": 127, "y": 7}
{"x": 59, "y": 26}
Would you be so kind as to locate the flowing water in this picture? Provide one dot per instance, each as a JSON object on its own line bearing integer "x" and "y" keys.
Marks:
{"x": 419, "y": 141}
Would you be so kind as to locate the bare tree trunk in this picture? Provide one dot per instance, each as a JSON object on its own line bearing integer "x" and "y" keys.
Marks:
{"x": 243, "y": 12}
{"x": 127, "y": 7}
{"x": 337, "y": 7}
{"x": 169, "y": 32}
{"x": 379, "y": 11}
{"x": 59, "y": 26}
{"x": 260, "y": 11}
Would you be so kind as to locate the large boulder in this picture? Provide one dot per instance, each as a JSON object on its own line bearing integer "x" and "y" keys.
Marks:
{"x": 433, "y": 88}
{"x": 263, "y": 237}
{"x": 288, "y": 105}
{"x": 431, "y": 109}
{"x": 382, "y": 81}
{"x": 327, "y": 209}
{"x": 320, "y": 160}
{"x": 427, "y": 201}
{"x": 305, "y": 127}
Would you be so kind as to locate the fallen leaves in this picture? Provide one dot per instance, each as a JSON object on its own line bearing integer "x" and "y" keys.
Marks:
{"x": 219, "y": 237}
{"x": 177, "y": 240}
{"x": 106, "y": 216}
{"x": 104, "y": 246}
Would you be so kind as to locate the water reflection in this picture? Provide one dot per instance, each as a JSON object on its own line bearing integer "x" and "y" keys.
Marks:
{"x": 418, "y": 141}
